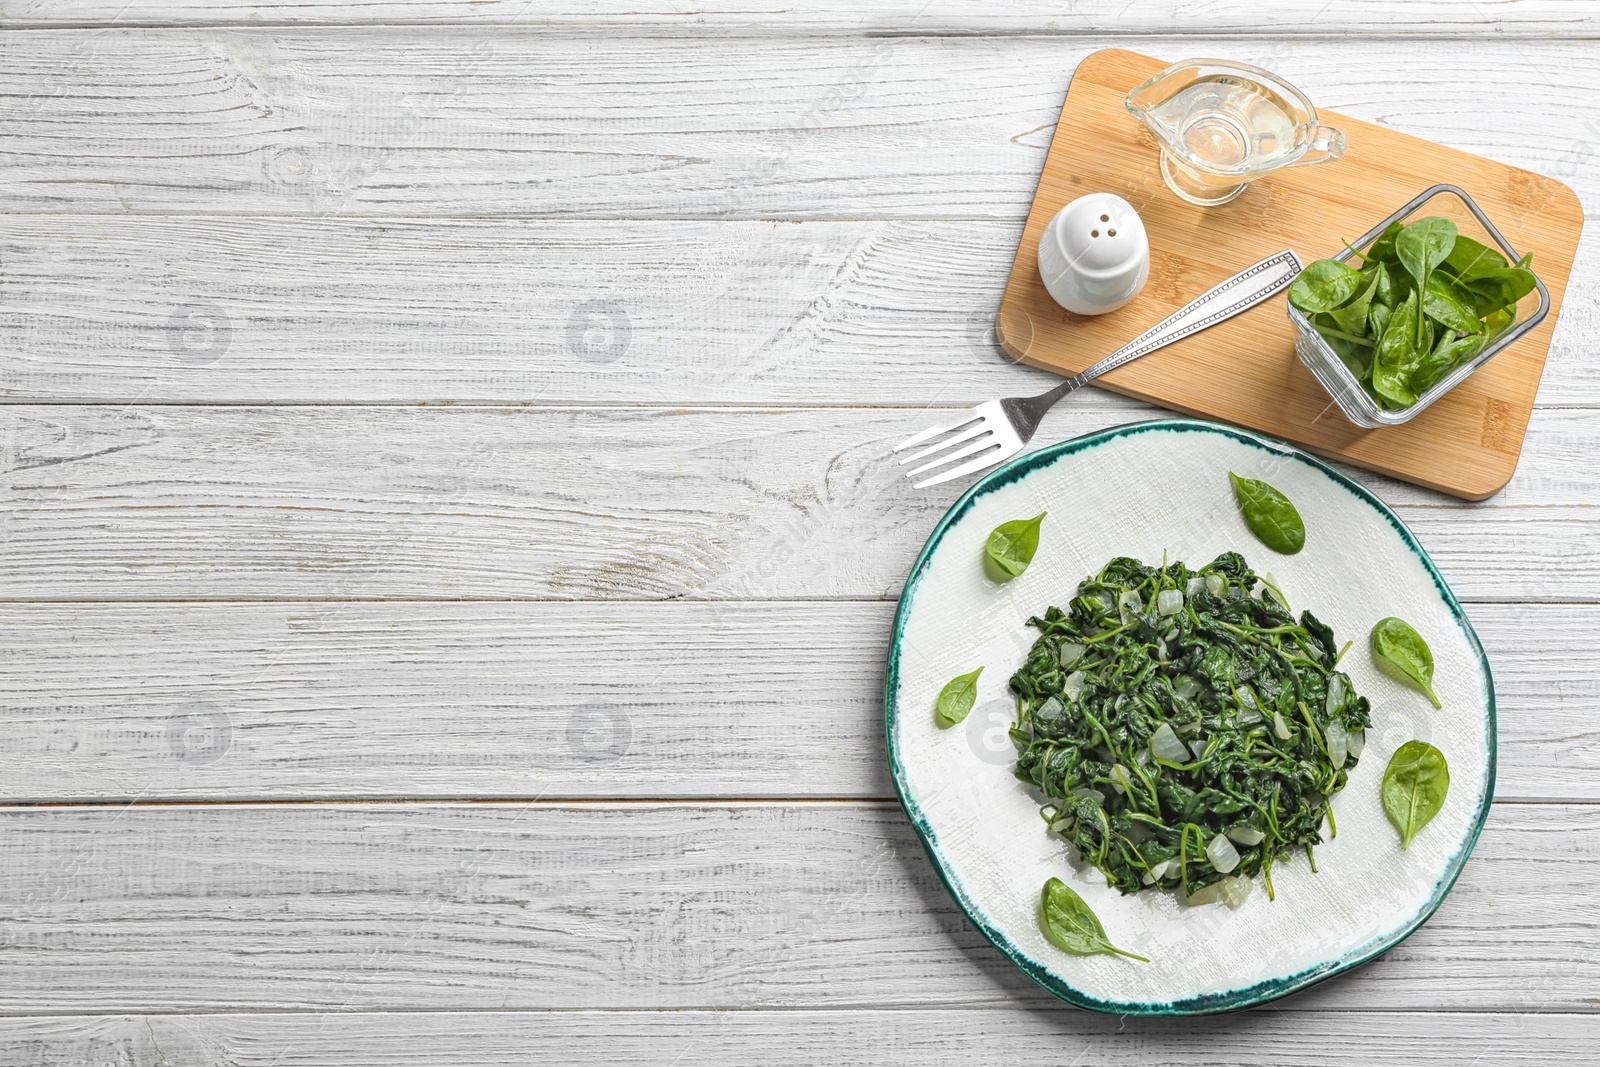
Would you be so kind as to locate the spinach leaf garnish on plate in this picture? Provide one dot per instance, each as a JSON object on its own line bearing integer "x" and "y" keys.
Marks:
{"x": 1269, "y": 514}
{"x": 956, "y": 698}
{"x": 1183, "y": 729}
{"x": 1071, "y": 925}
{"x": 1011, "y": 545}
{"x": 1414, "y": 788}
{"x": 1395, "y": 642}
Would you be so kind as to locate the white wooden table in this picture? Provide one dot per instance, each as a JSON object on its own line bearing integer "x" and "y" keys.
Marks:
{"x": 448, "y": 551}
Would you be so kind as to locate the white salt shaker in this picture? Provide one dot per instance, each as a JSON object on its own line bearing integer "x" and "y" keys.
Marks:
{"x": 1094, "y": 256}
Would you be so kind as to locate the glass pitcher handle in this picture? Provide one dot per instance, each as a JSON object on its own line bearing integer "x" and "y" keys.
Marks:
{"x": 1325, "y": 144}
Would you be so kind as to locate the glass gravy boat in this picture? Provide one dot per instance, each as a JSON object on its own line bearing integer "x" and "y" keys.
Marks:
{"x": 1223, "y": 125}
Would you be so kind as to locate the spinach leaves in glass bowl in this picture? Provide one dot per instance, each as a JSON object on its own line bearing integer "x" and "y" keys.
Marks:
{"x": 1425, "y": 300}
{"x": 1184, "y": 729}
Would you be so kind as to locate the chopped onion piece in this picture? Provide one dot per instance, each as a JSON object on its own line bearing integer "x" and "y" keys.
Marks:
{"x": 1249, "y": 716}
{"x": 1161, "y": 650}
{"x": 1196, "y": 583}
{"x": 1245, "y": 696}
{"x": 1338, "y": 743}
{"x": 1356, "y": 743}
{"x": 1119, "y": 776}
{"x": 1280, "y": 727}
{"x": 1074, "y": 684}
{"x": 1130, "y": 601}
{"x": 1235, "y": 890}
{"x": 1187, "y": 688}
{"x": 1157, "y": 872}
{"x": 1169, "y": 601}
{"x": 1246, "y": 836}
{"x": 1216, "y": 584}
{"x": 1199, "y": 747}
{"x": 1071, "y": 652}
{"x": 1209, "y": 895}
{"x": 1224, "y": 857}
{"x": 1335, "y": 693}
{"x": 1090, "y": 792}
{"x": 1164, "y": 744}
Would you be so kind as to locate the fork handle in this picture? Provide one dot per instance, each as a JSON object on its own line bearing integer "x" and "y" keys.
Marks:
{"x": 1244, "y": 290}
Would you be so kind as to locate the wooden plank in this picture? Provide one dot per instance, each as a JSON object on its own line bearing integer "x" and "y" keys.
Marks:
{"x": 446, "y": 310}
{"x": 1570, "y": 18}
{"x": 906, "y": 1038}
{"x": 231, "y": 702}
{"x": 336, "y": 503}
{"x": 496, "y": 121}
{"x": 350, "y": 907}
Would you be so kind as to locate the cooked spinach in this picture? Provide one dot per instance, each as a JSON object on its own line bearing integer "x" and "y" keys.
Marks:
{"x": 1070, "y": 924}
{"x": 1396, "y": 643}
{"x": 1426, "y": 300}
{"x": 1182, "y": 727}
{"x": 1011, "y": 545}
{"x": 956, "y": 698}
{"x": 1269, "y": 514}
{"x": 1414, "y": 788}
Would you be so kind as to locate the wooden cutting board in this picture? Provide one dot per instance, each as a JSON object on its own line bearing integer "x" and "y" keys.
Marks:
{"x": 1244, "y": 371}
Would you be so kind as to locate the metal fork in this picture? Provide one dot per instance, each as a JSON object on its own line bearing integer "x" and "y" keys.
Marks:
{"x": 997, "y": 430}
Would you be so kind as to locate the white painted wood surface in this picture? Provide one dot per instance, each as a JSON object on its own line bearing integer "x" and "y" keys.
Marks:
{"x": 479, "y": 407}
{"x": 459, "y": 700}
{"x": 648, "y": 312}
{"x": 535, "y": 905}
{"x": 1571, "y": 18}
{"x": 506, "y": 122}
{"x": 911, "y": 1037}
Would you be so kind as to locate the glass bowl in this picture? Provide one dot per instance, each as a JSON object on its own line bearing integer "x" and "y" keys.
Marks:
{"x": 1453, "y": 203}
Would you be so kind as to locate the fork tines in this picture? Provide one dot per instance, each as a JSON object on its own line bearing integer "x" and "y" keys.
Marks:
{"x": 983, "y": 435}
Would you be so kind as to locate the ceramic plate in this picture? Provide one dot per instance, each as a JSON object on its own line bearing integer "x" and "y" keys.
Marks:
{"x": 1143, "y": 490}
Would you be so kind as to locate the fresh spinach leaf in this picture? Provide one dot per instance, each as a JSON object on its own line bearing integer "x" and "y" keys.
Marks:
{"x": 1442, "y": 304}
{"x": 1385, "y": 293}
{"x": 1382, "y": 250}
{"x": 1395, "y": 356}
{"x": 1071, "y": 925}
{"x": 1324, "y": 285}
{"x": 1498, "y": 322}
{"x": 1351, "y": 318}
{"x": 1446, "y": 356}
{"x": 1396, "y": 643}
{"x": 1380, "y": 318}
{"x": 1414, "y": 788}
{"x": 1500, "y": 289}
{"x": 1421, "y": 246}
{"x": 1469, "y": 258}
{"x": 1011, "y": 545}
{"x": 1269, "y": 514}
{"x": 956, "y": 698}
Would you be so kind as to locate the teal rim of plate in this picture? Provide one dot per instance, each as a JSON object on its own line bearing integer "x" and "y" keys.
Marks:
{"x": 1210, "y": 1003}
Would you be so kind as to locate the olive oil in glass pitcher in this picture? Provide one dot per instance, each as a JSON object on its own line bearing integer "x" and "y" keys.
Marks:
{"x": 1222, "y": 125}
